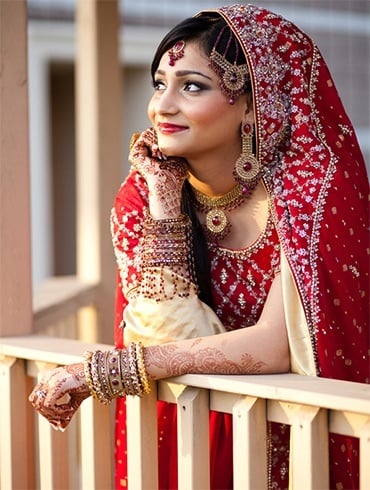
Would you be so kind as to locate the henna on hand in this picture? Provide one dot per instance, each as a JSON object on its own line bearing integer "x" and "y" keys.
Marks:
{"x": 173, "y": 361}
{"x": 164, "y": 175}
{"x": 60, "y": 393}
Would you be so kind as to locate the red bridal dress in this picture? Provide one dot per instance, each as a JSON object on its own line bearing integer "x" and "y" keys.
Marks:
{"x": 316, "y": 236}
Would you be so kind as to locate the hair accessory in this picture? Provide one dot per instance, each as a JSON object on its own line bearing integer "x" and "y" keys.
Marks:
{"x": 176, "y": 52}
{"x": 217, "y": 224}
{"x": 247, "y": 167}
{"x": 233, "y": 77}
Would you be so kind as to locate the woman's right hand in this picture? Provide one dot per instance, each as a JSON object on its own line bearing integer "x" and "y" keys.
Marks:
{"x": 60, "y": 393}
{"x": 164, "y": 176}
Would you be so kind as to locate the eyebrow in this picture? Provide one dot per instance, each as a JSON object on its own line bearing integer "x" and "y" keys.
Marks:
{"x": 184, "y": 73}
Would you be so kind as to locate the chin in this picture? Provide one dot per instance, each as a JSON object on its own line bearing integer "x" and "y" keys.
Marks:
{"x": 169, "y": 151}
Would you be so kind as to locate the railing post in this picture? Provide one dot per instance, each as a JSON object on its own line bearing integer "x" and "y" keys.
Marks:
{"x": 142, "y": 441}
{"x": 96, "y": 446}
{"x": 365, "y": 455}
{"x": 53, "y": 447}
{"x": 355, "y": 425}
{"x": 249, "y": 443}
{"x": 309, "y": 451}
{"x": 99, "y": 154}
{"x": 193, "y": 439}
{"x": 15, "y": 250}
{"x": 16, "y": 448}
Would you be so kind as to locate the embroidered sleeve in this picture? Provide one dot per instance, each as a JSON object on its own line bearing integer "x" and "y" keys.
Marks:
{"x": 154, "y": 257}
{"x": 157, "y": 281}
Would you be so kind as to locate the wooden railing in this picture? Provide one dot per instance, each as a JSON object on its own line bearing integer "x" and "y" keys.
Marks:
{"x": 32, "y": 455}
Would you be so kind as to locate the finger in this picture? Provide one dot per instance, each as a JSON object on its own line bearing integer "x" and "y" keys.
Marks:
{"x": 37, "y": 397}
{"x": 57, "y": 416}
{"x": 133, "y": 140}
{"x": 144, "y": 143}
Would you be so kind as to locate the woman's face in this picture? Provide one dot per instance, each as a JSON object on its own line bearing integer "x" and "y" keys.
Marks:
{"x": 190, "y": 114}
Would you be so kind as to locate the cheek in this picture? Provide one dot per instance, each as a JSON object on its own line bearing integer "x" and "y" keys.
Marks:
{"x": 150, "y": 110}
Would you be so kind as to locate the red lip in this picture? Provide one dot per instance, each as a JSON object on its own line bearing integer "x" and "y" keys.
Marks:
{"x": 168, "y": 128}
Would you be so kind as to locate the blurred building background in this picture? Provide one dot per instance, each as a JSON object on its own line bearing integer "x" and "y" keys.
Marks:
{"x": 341, "y": 29}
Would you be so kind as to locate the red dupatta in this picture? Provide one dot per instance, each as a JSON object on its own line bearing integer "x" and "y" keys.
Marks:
{"x": 317, "y": 180}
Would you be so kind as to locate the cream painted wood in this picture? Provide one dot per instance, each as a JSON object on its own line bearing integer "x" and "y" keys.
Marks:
{"x": 223, "y": 402}
{"x": 327, "y": 393}
{"x": 364, "y": 435}
{"x": 53, "y": 448}
{"x": 193, "y": 444}
{"x": 142, "y": 439}
{"x": 99, "y": 153}
{"x": 96, "y": 446}
{"x": 355, "y": 425}
{"x": 170, "y": 391}
{"x": 53, "y": 457}
{"x": 15, "y": 435}
{"x": 348, "y": 405}
{"x": 38, "y": 349}
{"x": 309, "y": 463}
{"x": 15, "y": 262}
{"x": 249, "y": 444}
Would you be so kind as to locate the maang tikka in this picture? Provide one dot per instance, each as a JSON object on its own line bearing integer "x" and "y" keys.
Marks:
{"x": 233, "y": 77}
{"x": 176, "y": 52}
{"x": 247, "y": 168}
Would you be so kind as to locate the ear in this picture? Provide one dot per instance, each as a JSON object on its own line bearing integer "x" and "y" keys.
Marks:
{"x": 249, "y": 112}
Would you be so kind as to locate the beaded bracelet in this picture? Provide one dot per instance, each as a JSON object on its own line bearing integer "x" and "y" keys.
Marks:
{"x": 126, "y": 377}
{"x": 99, "y": 378}
{"x": 113, "y": 367}
{"x": 167, "y": 243}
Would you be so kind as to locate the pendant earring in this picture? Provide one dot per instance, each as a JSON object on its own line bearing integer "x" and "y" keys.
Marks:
{"x": 247, "y": 167}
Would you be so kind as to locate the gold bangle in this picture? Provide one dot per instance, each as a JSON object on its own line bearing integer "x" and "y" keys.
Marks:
{"x": 141, "y": 367}
{"x": 134, "y": 372}
{"x": 87, "y": 370}
{"x": 99, "y": 377}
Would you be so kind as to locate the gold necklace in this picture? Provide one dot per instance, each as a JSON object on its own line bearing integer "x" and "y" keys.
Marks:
{"x": 215, "y": 208}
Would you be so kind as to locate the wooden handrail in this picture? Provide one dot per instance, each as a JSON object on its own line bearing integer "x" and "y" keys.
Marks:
{"x": 312, "y": 406}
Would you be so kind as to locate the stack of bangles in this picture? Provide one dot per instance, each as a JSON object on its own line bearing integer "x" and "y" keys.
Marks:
{"x": 116, "y": 373}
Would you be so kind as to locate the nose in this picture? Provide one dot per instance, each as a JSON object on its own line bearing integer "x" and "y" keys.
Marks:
{"x": 166, "y": 102}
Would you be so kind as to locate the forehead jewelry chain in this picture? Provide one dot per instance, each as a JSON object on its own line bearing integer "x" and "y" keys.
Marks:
{"x": 217, "y": 225}
{"x": 176, "y": 52}
{"x": 233, "y": 77}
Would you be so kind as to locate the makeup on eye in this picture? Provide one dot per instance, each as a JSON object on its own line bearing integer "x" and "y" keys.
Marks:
{"x": 185, "y": 73}
{"x": 187, "y": 85}
{"x": 187, "y": 79}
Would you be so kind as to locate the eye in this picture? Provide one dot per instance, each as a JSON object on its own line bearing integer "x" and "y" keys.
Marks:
{"x": 159, "y": 85}
{"x": 194, "y": 87}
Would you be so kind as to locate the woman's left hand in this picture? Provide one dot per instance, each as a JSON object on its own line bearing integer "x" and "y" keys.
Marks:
{"x": 165, "y": 176}
{"x": 60, "y": 393}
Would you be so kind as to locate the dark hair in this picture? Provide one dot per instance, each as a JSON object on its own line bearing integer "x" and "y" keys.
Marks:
{"x": 204, "y": 29}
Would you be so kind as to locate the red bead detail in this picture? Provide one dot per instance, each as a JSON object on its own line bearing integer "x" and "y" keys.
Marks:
{"x": 216, "y": 220}
{"x": 247, "y": 166}
{"x": 247, "y": 128}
